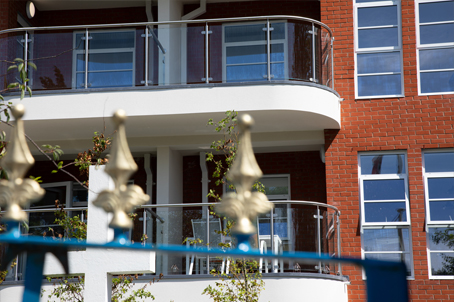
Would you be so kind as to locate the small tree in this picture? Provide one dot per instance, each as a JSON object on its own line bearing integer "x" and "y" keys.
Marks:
{"x": 244, "y": 283}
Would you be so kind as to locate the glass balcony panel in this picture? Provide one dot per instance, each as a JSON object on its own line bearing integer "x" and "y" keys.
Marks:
{"x": 11, "y": 46}
{"x": 139, "y": 57}
{"x": 216, "y": 54}
{"x": 110, "y": 79}
{"x": 111, "y": 39}
{"x": 299, "y": 51}
{"x": 246, "y": 73}
{"x": 52, "y": 52}
{"x": 242, "y": 33}
{"x": 195, "y": 53}
{"x": 326, "y": 58}
{"x": 110, "y": 61}
{"x": 246, "y": 54}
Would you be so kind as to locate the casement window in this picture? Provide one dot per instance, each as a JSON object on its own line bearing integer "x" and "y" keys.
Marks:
{"x": 435, "y": 38}
{"x": 439, "y": 194}
{"x": 111, "y": 59}
{"x": 246, "y": 53}
{"x": 385, "y": 210}
{"x": 378, "y": 49}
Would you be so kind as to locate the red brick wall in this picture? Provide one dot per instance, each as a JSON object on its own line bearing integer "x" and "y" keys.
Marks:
{"x": 411, "y": 123}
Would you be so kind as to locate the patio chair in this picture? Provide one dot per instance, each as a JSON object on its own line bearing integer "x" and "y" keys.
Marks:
{"x": 199, "y": 228}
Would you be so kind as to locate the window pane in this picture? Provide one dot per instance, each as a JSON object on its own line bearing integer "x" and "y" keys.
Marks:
{"x": 379, "y": 85}
{"x": 441, "y": 187}
{"x": 382, "y": 164}
{"x": 80, "y": 63}
{"x": 386, "y": 189}
{"x": 438, "y": 33}
{"x": 379, "y": 37}
{"x": 375, "y": 240}
{"x": 277, "y": 71}
{"x": 80, "y": 43}
{"x": 442, "y": 81}
{"x": 246, "y": 54}
{"x": 378, "y": 62}
{"x": 436, "y": 12}
{"x": 110, "y": 61}
{"x": 110, "y": 79}
{"x": 245, "y": 33}
{"x": 442, "y": 264}
{"x": 80, "y": 80}
{"x": 385, "y": 212}
{"x": 442, "y": 210}
{"x": 278, "y": 31}
{"x": 439, "y": 162}
{"x": 393, "y": 257}
{"x": 246, "y": 72}
{"x": 376, "y": 16}
{"x": 277, "y": 52}
{"x": 362, "y": 1}
{"x": 441, "y": 239}
{"x": 275, "y": 185}
{"x": 436, "y": 59}
{"x": 123, "y": 39}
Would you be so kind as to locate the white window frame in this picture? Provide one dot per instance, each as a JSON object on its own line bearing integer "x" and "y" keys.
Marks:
{"x": 389, "y": 224}
{"x": 251, "y": 43}
{"x": 386, "y": 49}
{"x": 77, "y": 52}
{"x": 435, "y": 223}
{"x": 429, "y": 46}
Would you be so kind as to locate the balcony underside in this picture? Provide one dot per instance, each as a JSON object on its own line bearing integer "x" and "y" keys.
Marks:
{"x": 171, "y": 116}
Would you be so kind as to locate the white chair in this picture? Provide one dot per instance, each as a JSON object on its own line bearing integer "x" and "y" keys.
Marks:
{"x": 199, "y": 228}
{"x": 264, "y": 240}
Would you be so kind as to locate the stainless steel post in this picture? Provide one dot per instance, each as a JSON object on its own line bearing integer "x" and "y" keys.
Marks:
{"x": 146, "y": 74}
{"x": 339, "y": 265}
{"x": 313, "y": 53}
{"x": 319, "y": 239}
{"x": 207, "y": 63}
{"x": 268, "y": 50}
{"x": 86, "y": 58}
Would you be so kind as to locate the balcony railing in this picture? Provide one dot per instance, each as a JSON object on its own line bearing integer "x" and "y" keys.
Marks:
{"x": 293, "y": 226}
{"x": 41, "y": 222}
{"x": 156, "y": 54}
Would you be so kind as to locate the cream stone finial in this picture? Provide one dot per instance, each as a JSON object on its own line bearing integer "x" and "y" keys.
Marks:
{"x": 17, "y": 193}
{"x": 244, "y": 205}
{"x": 122, "y": 199}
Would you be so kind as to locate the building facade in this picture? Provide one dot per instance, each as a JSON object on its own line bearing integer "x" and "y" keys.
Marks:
{"x": 353, "y": 102}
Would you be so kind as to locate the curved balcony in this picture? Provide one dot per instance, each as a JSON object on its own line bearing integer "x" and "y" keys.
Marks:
{"x": 273, "y": 66}
{"x": 292, "y": 226}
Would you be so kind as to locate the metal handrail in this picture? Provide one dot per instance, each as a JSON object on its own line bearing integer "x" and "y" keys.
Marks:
{"x": 116, "y": 25}
{"x": 51, "y": 210}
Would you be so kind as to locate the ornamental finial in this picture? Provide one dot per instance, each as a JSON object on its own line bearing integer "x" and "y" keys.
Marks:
{"x": 17, "y": 193}
{"x": 121, "y": 166}
{"x": 244, "y": 205}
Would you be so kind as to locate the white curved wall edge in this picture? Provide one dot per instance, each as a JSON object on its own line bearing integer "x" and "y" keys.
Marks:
{"x": 278, "y": 97}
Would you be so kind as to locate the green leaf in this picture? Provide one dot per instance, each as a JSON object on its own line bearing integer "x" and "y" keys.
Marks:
{"x": 54, "y": 171}
{"x": 12, "y": 85}
{"x": 32, "y": 65}
{"x": 11, "y": 67}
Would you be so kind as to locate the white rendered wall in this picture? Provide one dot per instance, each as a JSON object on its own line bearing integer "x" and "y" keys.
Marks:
{"x": 189, "y": 290}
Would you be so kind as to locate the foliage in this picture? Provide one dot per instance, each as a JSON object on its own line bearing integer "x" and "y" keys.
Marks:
{"x": 85, "y": 159}
{"x": 244, "y": 283}
{"x": 72, "y": 290}
{"x": 20, "y": 65}
{"x": 73, "y": 227}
